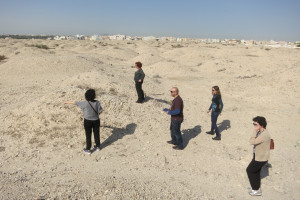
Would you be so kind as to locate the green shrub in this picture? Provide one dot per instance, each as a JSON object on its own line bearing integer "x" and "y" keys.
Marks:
{"x": 2, "y": 57}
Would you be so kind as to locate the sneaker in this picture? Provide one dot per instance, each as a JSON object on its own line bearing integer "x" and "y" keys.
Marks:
{"x": 87, "y": 151}
{"x": 255, "y": 192}
{"x": 216, "y": 138}
{"x": 96, "y": 148}
{"x": 178, "y": 148}
{"x": 210, "y": 132}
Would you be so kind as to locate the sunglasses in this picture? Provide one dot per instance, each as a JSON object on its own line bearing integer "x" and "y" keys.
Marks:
{"x": 254, "y": 124}
{"x": 172, "y": 91}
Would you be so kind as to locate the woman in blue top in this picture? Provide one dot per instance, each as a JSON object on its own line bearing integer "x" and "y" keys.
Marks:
{"x": 216, "y": 107}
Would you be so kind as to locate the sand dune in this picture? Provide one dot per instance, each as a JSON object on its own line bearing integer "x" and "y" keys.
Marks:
{"x": 41, "y": 139}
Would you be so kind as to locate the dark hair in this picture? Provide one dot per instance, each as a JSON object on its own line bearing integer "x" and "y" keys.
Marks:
{"x": 139, "y": 64}
{"x": 261, "y": 120}
{"x": 218, "y": 91}
{"x": 90, "y": 95}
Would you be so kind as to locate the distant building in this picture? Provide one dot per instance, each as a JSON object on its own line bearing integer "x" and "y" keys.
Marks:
{"x": 234, "y": 41}
{"x": 60, "y": 37}
{"x": 215, "y": 40}
{"x": 117, "y": 37}
{"x": 149, "y": 38}
{"x": 137, "y": 38}
{"x": 248, "y": 42}
{"x": 105, "y": 37}
{"x": 128, "y": 38}
{"x": 186, "y": 39}
{"x": 79, "y": 37}
{"x": 96, "y": 37}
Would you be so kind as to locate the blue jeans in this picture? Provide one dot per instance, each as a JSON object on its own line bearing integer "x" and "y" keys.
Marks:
{"x": 214, "y": 127}
{"x": 176, "y": 133}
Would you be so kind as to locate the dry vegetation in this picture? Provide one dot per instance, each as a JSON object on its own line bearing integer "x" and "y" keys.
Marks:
{"x": 2, "y": 57}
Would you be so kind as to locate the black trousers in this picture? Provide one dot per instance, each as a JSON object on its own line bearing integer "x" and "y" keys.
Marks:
{"x": 90, "y": 125}
{"x": 253, "y": 171}
{"x": 139, "y": 90}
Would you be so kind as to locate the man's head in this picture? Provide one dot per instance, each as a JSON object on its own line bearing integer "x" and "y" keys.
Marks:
{"x": 174, "y": 91}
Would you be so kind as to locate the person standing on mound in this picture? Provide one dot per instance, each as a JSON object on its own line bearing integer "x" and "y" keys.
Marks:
{"x": 260, "y": 140}
{"x": 176, "y": 112}
{"x": 216, "y": 107}
{"x": 139, "y": 79}
{"x": 91, "y": 109}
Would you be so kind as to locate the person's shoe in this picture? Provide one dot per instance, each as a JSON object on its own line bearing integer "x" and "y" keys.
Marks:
{"x": 177, "y": 147}
{"x": 210, "y": 132}
{"x": 170, "y": 142}
{"x": 87, "y": 151}
{"x": 255, "y": 192}
{"x": 216, "y": 138}
{"x": 96, "y": 148}
{"x": 139, "y": 101}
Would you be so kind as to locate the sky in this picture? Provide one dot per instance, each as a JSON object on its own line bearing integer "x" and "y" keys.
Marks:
{"x": 277, "y": 20}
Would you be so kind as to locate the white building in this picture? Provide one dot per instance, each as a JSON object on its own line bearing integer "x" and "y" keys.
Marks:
{"x": 117, "y": 37}
{"x": 129, "y": 38}
{"x": 79, "y": 37}
{"x": 96, "y": 37}
{"x": 60, "y": 37}
{"x": 149, "y": 38}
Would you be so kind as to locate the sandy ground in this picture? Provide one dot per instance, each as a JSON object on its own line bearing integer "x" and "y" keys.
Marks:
{"x": 41, "y": 140}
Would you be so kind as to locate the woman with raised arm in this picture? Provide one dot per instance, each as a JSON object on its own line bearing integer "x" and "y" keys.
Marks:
{"x": 91, "y": 109}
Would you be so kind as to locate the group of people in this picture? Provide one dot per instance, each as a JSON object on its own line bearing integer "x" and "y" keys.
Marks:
{"x": 260, "y": 138}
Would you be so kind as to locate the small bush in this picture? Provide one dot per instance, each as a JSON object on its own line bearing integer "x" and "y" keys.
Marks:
{"x": 156, "y": 76}
{"x": 113, "y": 91}
{"x": 40, "y": 46}
{"x": 177, "y": 46}
{"x": 2, "y": 57}
{"x": 251, "y": 55}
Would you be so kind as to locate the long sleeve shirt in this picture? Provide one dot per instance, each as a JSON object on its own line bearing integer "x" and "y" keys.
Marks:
{"x": 88, "y": 112}
{"x": 217, "y": 104}
{"x": 176, "y": 110}
{"x": 139, "y": 75}
{"x": 262, "y": 145}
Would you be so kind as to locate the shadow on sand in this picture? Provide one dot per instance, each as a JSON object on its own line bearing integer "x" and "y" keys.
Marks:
{"x": 188, "y": 134}
{"x": 118, "y": 133}
{"x": 147, "y": 98}
{"x": 224, "y": 125}
{"x": 264, "y": 172}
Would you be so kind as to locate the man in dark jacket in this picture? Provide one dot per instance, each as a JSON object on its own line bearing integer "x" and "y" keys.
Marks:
{"x": 139, "y": 78}
{"x": 176, "y": 112}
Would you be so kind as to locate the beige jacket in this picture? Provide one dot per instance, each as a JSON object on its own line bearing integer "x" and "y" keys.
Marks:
{"x": 262, "y": 142}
